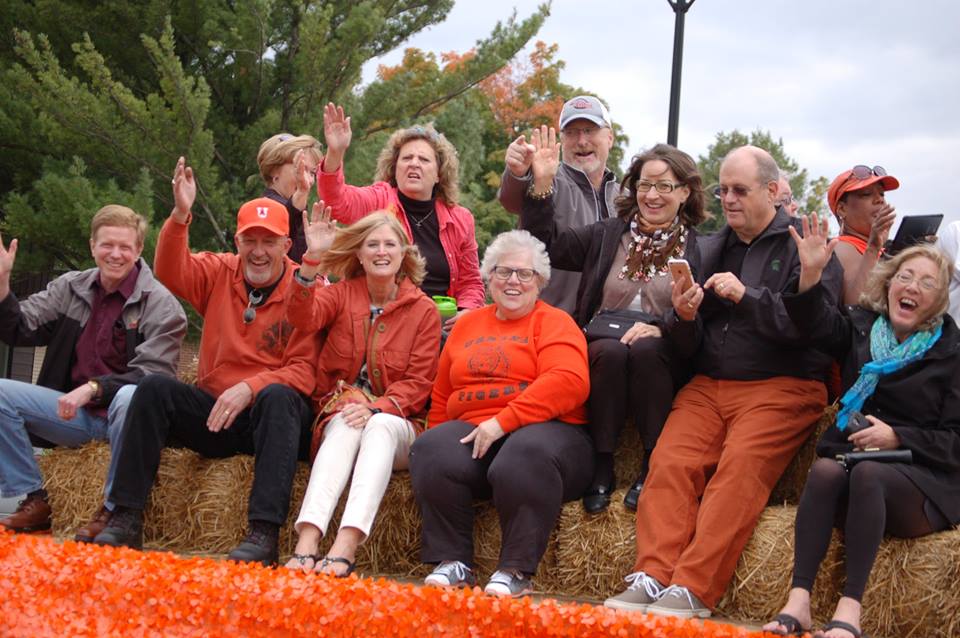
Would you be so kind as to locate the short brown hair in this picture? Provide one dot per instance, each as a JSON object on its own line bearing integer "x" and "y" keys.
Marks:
{"x": 281, "y": 149}
{"x": 692, "y": 211}
{"x": 341, "y": 260}
{"x": 874, "y": 295}
{"x": 448, "y": 163}
{"x": 116, "y": 215}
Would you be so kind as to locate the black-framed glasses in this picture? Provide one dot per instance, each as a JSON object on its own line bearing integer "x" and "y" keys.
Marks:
{"x": 254, "y": 299}
{"x": 785, "y": 200}
{"x": 643, "y": 186}
{"x": 738, "y": 191}
{"x": 861, "y": 171}
{"x": 525, "y": 275}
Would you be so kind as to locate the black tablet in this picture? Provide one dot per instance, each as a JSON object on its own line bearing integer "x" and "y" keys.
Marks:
{"x": 913, "y": 230}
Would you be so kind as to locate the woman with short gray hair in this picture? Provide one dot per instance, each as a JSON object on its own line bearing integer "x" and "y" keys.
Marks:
{"x": 506, "y": 422}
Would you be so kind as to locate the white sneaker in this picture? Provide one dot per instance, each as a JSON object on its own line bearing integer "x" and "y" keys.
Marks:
{"x": 451, "y": 573}
{"x": 508, "y": 582}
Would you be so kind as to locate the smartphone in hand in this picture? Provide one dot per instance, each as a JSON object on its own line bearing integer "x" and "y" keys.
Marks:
{"x": 680, "y": 272}
{"x": 856, "y": 422}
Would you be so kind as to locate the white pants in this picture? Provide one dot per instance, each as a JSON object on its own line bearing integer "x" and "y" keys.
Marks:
{"x": 380, "y": 447}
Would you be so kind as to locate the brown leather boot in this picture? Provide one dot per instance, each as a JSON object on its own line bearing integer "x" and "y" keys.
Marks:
{"x": 87, "y": 533}
{"x": 32, "y": 515}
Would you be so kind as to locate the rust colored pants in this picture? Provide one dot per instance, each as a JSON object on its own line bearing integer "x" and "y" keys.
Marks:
{"x": 723, "y": 448}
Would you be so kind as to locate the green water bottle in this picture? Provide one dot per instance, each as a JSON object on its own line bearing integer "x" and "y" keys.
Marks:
{"x": 446, "y": 305}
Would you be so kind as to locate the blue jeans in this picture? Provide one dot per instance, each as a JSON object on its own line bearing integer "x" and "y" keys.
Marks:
{"x": 31, "y": 409}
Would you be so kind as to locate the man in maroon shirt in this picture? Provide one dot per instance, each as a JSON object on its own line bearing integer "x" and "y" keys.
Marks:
{"x": 104, "y": 329}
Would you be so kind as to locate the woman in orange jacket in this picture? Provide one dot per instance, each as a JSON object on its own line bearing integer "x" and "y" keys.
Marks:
{"x": 383, "y": 338}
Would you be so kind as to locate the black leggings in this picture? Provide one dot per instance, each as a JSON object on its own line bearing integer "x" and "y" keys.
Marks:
{"x": 873, "y": 499}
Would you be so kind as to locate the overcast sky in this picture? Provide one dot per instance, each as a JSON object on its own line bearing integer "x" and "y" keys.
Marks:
{"x": 842, "y": 82}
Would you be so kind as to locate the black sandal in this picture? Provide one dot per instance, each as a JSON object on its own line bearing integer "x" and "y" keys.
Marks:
{"x": 329, "y": 560}
{"x": 303, "y": 558}
{"x": 839, "y": 624}
{"x": 791, "y": 626}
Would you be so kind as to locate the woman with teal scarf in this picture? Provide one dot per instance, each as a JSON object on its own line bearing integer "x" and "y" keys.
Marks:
{"x": 900, "y": 354}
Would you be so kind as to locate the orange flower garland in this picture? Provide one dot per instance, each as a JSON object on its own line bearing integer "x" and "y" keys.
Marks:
{"x": 70, "y": 589}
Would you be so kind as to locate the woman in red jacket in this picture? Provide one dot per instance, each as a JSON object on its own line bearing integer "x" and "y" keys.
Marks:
{"x": 383, "y": 335}
{"x": 416, "y": 180}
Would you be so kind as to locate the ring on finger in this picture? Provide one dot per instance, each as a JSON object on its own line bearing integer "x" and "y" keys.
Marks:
{"x": 720, "y": 286}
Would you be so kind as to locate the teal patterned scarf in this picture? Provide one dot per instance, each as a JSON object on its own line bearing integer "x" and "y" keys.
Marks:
{"x": 888, "y": 356}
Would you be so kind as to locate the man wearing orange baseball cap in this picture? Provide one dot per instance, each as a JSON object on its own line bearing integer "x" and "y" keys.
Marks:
{"x": 856, "y": 197}
{"x": 253, "y": 378}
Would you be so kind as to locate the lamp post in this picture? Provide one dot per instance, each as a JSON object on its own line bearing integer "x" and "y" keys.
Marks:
{"x": 680, "y": 8}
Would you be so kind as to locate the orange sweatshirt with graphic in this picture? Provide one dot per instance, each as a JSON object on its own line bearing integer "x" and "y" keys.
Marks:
{"x": 523, "y": 371}
{"x": 267, "y": 350}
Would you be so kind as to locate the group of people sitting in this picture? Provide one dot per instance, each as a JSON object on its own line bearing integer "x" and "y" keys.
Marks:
{"x": 518, "y": 400}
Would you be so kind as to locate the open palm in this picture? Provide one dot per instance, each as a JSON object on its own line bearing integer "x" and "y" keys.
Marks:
{"x": 546, "y": 153}
{"x": 336, "y": 128}
{"x": 318, "y": 229}
{"x": 813, "y": 248}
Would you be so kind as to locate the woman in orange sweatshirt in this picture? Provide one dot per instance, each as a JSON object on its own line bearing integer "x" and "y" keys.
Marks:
{"x": 506, "y": 421}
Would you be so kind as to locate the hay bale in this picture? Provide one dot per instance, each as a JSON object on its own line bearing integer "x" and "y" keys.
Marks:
{"x": 393, "y": 546}
{"x": 216, "y": 516}
{"x": 595, "y": 552}
{"x": 762, "y": 579}
{"x": 165, "y": 516}
{"x": 74, "y": 480}
{"x": 628, "y": 457}
{"x": 912, "y": 589}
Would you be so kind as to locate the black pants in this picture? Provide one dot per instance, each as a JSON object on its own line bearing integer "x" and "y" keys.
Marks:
{"x": 872, "y": 499}
{"x": 644, "y": 376}
{"x": 273, "y": 429}
{"x": 529, "y": 473}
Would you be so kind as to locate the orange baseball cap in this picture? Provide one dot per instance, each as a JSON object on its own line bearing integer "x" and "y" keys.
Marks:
{"x": 266, "y": 213}
{"x": 857, "y": 178}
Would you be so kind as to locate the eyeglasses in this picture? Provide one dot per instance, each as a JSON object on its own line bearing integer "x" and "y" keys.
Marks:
{"x": 643, "y": 186}
{"x": 864, "y": 172}
{"x": 422, "y": 131}
{"x": 254, "y": 299}
{"x": 525, "y": 275}
{"x": 927, "y": 283}
{"x": 575, "y": 132}
{"x": 785, "y": 200}
{"x": 738, "y": 191}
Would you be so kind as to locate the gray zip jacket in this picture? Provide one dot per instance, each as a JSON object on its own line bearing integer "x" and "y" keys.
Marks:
{"x": 574, "y": 204}
{"x": 154, "y": 325}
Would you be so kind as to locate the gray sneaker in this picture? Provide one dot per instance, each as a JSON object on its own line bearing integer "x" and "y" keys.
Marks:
{"x": 451, "y": 573}
{"x": 679, "y": 602}
{"x": 642, "y": 591}
{"x": 508, "y": 582}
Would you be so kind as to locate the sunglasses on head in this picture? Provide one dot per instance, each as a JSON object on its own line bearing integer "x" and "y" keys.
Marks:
{"x": 861, "y": 171}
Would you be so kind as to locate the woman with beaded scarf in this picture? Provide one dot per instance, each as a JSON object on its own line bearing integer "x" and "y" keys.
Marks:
{"x": 624, "y": 264}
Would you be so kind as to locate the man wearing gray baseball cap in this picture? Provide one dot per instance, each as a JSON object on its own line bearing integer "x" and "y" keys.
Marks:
{"x": 583, "y": 189}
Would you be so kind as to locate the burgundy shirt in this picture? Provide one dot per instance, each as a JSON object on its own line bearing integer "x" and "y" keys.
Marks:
{"x": 102, "y": 346}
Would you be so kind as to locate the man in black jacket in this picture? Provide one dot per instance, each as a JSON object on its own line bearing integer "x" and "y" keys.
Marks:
{"x": 105, "y": 328}
{"x": 757, "y": 392}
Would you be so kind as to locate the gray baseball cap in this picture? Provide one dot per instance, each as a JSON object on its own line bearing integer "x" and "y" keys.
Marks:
{"x": 584, "y": 107}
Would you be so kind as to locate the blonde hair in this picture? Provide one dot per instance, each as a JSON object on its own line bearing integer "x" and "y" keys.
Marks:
{"x": 281, "y": 149}
{"x": 448, "y": 164}
{"x": 121, "y": 216}
{"x": 875, "y": 293}
{"x": 341, "y": 260}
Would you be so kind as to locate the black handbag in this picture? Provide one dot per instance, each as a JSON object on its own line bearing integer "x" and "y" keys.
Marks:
{"x": 850, "y": 459}
{"x": 613, "y": 324}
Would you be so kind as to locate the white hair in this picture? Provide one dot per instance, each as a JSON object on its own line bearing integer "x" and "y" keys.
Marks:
{"x": 514, "y": 241}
